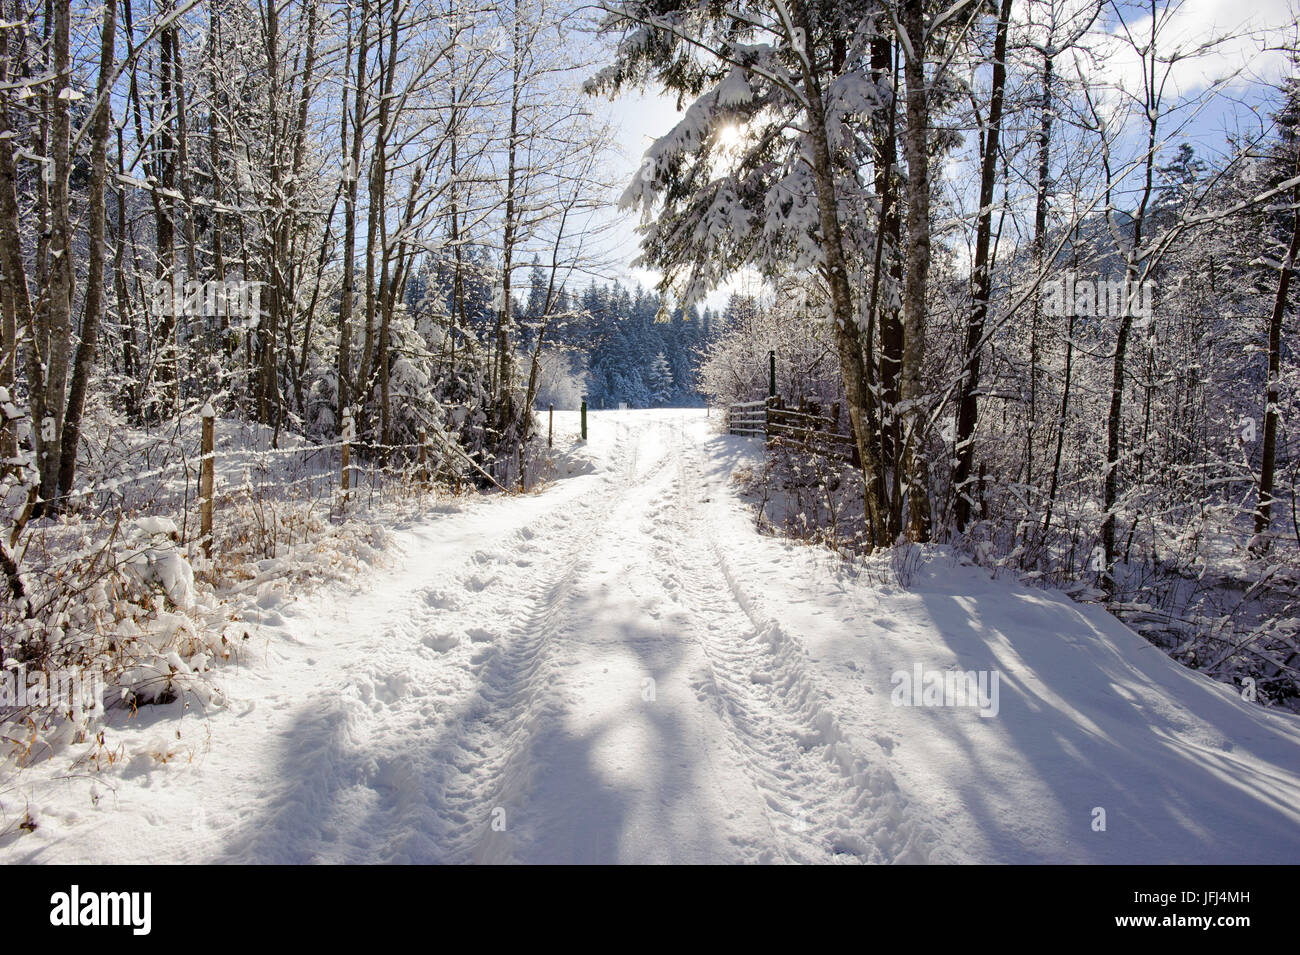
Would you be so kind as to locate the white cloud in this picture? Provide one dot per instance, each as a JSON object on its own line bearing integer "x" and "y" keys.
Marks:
{"x": 1213, "y": 40}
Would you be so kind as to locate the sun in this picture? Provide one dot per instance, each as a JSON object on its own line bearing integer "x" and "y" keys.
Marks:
{"x": 729, "y": 137}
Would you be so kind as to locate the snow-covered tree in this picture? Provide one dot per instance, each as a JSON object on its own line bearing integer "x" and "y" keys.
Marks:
{"x": 659, "y": 379}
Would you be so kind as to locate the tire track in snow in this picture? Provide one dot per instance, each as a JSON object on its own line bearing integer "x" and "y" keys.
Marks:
{"x": 518, "y": 690}
{"x": 431, "y": 734}
{"x": 382, "y": 765}
{"x": 361, "y": 778}
{"x": 828, "y": 801}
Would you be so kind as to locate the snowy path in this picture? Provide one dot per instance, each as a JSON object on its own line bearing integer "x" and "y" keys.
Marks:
{"x": 620, "y": 669}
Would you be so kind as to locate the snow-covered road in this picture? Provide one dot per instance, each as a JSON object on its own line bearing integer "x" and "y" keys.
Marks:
{"x": 621, "y": 669}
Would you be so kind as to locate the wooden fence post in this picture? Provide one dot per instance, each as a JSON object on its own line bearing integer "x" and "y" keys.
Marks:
{"x": 346, "y": 435}
{"x": 207, "y": 476}
{"x": 584, "y": 419}
{"x": 550, "y": 426}
{"x": 424, "y": 457}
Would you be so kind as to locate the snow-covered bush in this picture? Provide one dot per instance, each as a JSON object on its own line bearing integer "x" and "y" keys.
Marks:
{"x": 560, "y": 379}
{"x": 119, "y": 606}
{"x": 735, "y": 364}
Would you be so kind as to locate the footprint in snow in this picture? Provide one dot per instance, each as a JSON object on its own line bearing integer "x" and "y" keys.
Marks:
{"x": 439, "y": 600}
{"x": 479, "y": 583}
{"x": 442, "y": 642}
{"x": 392, "y": 687}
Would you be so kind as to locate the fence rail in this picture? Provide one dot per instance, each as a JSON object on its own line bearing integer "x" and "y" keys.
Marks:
{"x": 804, "y": 429}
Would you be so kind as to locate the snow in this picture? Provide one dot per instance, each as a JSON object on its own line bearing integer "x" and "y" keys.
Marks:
{"x": 620, "y": 668}
{"x": 161, "y": 562}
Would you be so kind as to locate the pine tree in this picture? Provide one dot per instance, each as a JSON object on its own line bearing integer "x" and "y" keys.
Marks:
{"x": 660, "y": 380}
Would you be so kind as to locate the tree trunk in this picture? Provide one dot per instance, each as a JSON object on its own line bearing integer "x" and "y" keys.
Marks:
{"x": 17, "y": 299}
{"x": 59, "y": 303}
{"x": 1040, "y": 241}
{"x": 888, "y": 245}
{"x": 981, "y": 280}
{"x": 352, "y": 175}
{"x": 848, "y": 334}
{"x": 96, "y": 253}
{"x": 916, "y": 280}
{"x": 166, "y": 357}
{"x": 1264, "y": 504}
